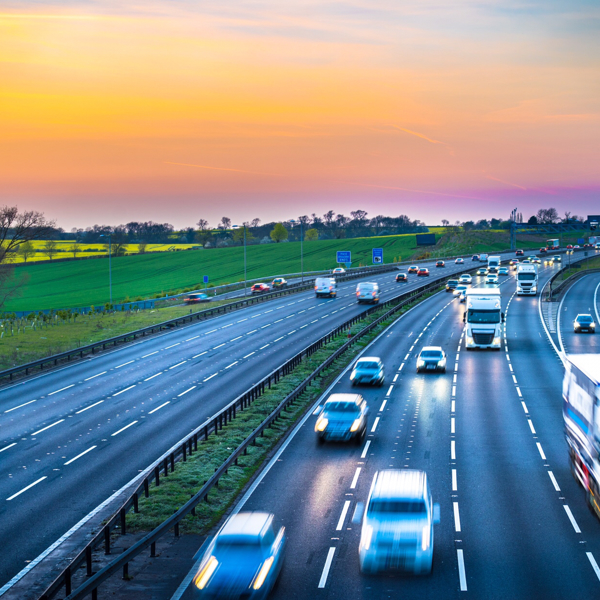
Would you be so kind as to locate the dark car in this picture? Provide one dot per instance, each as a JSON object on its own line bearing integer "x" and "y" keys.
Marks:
{"x": 279, "y": 282}
{"x": 343, "y": 418}
{"x": 475, "y": 257}
{"x": 519, "y": 253}
{"x": 244, "y": 558}
{"x": 413, "y": 269}
{"x": 423, "y": 272}
{"x": 584, "y": 323}
{"x": 440, "y": 263}
{"x": 260, "y": 288}
{"x": 195, "y": 298}
{"x": 402, "y": 277}
{"x": 368, "y": 370}
{"x": 543, "y": 250}
{"x": 451, "y": 285}
{"x": 431, "y": 358}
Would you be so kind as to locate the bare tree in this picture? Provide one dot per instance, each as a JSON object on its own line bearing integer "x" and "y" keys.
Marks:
{"x": 16, "y": 228}
{"x": 567, "y": 216}
{"x": 445, "y": 222}
{"x": 50, "y": 248}
{"x": 359, "y": 217}
{"x": 329, "y": 219}
{"x": 225, "y": 223}
{"x": 202, "y": 224}
{"x": 547, "y": 215}
{"x": 304, "y": 219}
{"x": 255, "y": 222}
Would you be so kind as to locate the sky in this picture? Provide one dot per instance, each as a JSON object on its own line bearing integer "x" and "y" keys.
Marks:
{"x": 175, "y": 111}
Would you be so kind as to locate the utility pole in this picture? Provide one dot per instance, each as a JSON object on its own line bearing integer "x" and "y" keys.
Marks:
{"x": 513, "y": 229}
{"x": 245, "y": 278}
{"x": 108, "y": 235}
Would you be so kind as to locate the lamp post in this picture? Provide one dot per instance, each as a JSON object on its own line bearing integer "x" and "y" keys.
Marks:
{"x": 108, "y": 235}
{"x": 293, "y": 222}
{"x": 245, "y": 278}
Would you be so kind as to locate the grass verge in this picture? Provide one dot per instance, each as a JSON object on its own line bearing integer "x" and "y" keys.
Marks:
{"x": 593, "y": 263}
{"x": 188, "y": 477}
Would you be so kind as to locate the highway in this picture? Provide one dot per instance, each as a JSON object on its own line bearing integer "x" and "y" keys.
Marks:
{"x": 70, "y": 437}
{"x": 489, "y": 433}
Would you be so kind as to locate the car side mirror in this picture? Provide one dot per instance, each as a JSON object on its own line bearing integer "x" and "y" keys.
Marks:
{"x": 359, "y": 509}
{"x": 502, "y": 317}
{"x": 436, "y": 513}
{"x": 464, "y": 317}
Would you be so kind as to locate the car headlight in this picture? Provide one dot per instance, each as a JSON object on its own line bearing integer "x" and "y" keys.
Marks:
{"x": 426, "y": 537}
{"x": 593, "y": 325}
{"x": 321, "y": 424}
{"x": 352, "y": 375}
{"x": 420, "y": 363}
{"x": 577, "y": 325}
{"x": 496, "y": 341}
{"x": 366, "y": 536}
{"x": 356, "y": 425}
{"x": 262, "y": 574}
{"x": 442, "y": 363}
{"x": 206, "y": 573}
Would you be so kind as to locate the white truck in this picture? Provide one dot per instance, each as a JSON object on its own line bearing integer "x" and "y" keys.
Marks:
{"x": 581, "y": 413}
{"x": 494, "y": 263}
{"x": 483, "y": 318}
{"x": 527, "y": 279}
{"x": 325, "y": 286}
{"x": 483, "y": 257}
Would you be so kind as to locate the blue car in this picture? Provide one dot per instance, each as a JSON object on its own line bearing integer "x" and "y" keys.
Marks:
{"x": 368, "y": 371}
{"x": 243, "y": 560}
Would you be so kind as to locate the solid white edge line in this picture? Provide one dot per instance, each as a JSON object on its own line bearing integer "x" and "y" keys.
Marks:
{"x": 326, "y": 567}
{"x": 364, "y": 452}
{"x": 548, "y": 334}
{"x": 571, "y": 518}
{"x": 24, "y": 490}
{"x": 20, "y": 406}
{"x": 456, "y": 517}
{"x": 47, "y": 427}
{"x": 461, "y": 570}
{"x": 342, "y": 519}
{"x": 126, "y": 389}
{"x": 355, "y": 478}
{"x": 594, "y": 564}
{"x": 94, "y": 376}
{"x": 88, "y": 407}
{"x": 79, "y": 455}
{"x": 554, "y": 482}
{"x": 159, "y": 407}
{"x": 123, "y": 429}
{"x": 596, "y": 304}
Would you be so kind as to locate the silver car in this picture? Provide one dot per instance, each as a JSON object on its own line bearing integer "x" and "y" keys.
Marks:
{"x": 343, "y": 418}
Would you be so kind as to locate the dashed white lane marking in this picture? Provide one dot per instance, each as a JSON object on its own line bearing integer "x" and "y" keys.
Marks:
{"x": 128, "y": 388}
{"x": 159, "y": 407}
{"x": 265, "y": 326}
{"x": 178, "y": 364}
{"x": 355, "y": 478}
{"x": 153, "y": 376}
{"x": 454, "y": 484}
{"x": 193, "y": 338}
{"x": 15, "y": 443}
{"x": 395, "y": 378}
{"x": 539, "y": 447}
{"x": 571, "y": 518}
{"x": 453, "y": 406}
{"x": 390, "y": 390}
{"x": 80, "y": 455}
{"x": 375, "y": 423}
{"x": 186, "y": 391}
{"x": 454, "y": 390}
{"x": 173, "y": 345}
{"x": 554, "y": 482}
{"x": 342, "y": 518}
{"x": 453, "y": 450}
{"x": 151, "y": 353}
{"x": 400, "y": 368}
{"x": 382, "y": 405}
{"x": 123, "y": 429}
{"x": 519, "y": 392}
{"x": 279, "y": 338}
{"x": 213, "y": 375}
{"x": 20, "y": 406}
{"x": 326, "y": 567}
{"x": 253, "y": 331}
{"x": 593, "y": 563}
{"x": 230, "y": 325}
{"x": 531, "y": 426}
{"x": 239, "y": 337}
{"x": 525, "y": 407}
{"x": 265, "y": 346}
{"x": 303, "y": 326}
{"x": 201, "y": 353}
{"x": 47, "y": 427}
{"x": 94, "y": 376}
{"x": 232, "y": 364}
{"x": 452, "y": 424}
{"x": 461, "y": 570}
{"x": 364, "y": 452}
{"x": 219, "y": 346}
{"x": 27, "y": 488}
{"x": 88, "y": 407}
{"x": 406, "y": 357}
{"x": 61, "y": 390}
{"x": 131, "y": 361}
{"x": 251, "y": 353}
{"x": 456, "y": 517}
{"x": 242, "y": 320}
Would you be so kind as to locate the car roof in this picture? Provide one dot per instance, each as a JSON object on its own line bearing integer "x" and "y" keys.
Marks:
{"x": 437, "y": 348}
{"x": 583, "y": 315}
{"x": 246, "y": 524}
{"x": 400, "y": 483}
{"x": 356, "y": 398}
{"x": 366, "y": 358}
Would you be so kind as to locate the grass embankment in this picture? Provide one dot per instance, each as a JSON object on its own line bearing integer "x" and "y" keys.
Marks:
{"x": 32, "y": 340}
{"x": 187, "y": 479}
{"x": 593, "y": 263}
{"x": 83, "y": 283}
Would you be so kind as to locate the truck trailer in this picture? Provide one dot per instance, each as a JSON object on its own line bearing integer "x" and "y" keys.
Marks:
{"x": 483, "y": 318}
{"x": 494, "y": 263}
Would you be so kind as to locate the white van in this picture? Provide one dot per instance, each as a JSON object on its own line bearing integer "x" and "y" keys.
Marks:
{"x": 325, "y": 286}
{"x": 367, "y": 292}
{"x": 397, "y": 528}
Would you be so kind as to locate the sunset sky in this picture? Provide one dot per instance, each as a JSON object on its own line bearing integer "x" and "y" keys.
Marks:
{"x": 172, "y": 111}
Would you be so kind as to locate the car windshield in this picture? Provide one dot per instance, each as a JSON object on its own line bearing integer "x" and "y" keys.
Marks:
{"x": 367, "y": 364}
{"x": 584, "y": 319}
{"x": 483, "y": 316}
{"x": 393, "y": 506}
{"x": 342, "y": 407}
{"x": 365, "y": 287}
{"x": 431, "y": 354}
{"x": 453, "y": 282}
{"x": 526, "y": 276}
{"x": 461, "y": 288}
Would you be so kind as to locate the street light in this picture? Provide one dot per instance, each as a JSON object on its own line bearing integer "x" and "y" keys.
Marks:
{"x": 293, "y": 222}
{"x": 108, "y": 235}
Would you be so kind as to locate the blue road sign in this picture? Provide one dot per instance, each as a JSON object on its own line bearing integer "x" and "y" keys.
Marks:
{"x": 344, "y": 257}
{"x": 580, "y": 241}
{"x": 377, "y": 256}
{"x": 206, "y": 279}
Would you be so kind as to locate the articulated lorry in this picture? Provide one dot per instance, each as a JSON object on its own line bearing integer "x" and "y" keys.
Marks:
{"x": 581, "y": 413}
{"x": 527, "y": 279}
{"x": 483, "y": 318}
{"x": 494, "y": 263}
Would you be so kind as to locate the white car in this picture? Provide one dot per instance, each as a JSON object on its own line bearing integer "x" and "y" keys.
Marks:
{"x": 503, "y": 271}
{"x": 466, "y": 278}
{"x": 460, "y": 289}
{"x": 459, "y": 261}
{"x": 492, "y": 278}
{"x": 338, "y": 271}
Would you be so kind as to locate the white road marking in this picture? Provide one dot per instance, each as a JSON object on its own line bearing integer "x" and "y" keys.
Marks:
{"x": 293, "y": 331}
{"x": 211, "y": 331}
{"x": 88, "y": 407}
{"x": 342, "y": 518}
{"x": 454, "y": 390}
{"x": 375, "y": 423}
{"x": 186, "y": 391}
{"x": 355, "y": 479}
{"x": 20, "y": 406}
{"x": 406, "y": 357}
{"x": 131, "y": 386}
{"x": 571, "y": 518}
{"x": 265, "y": 346}
{"x": 178, "y": 364}
{"x": 213, "y": 375}
{"x": 219, "y": 346}
{"x": 554, "y": 482}
{"x": 239, "y": 337}
{"x": 303, "y": 326}
{"x": 226, "y": 326}
{"x": 61, "y": 390}
{"x": 365, "y": 449}
{"x": 453, "y": 406}
{"x": 267, "y": 325}
{"x": 242, "y": 320}
{"x": 232, "y": 364}
{"x": 15, "y": 443}
{"x": 131, "y": 361}
{"x": 461, "y": 570}
{"x": 192, "y": 338}
{"x": 452, "y": 424}
{"x": 153, "y": 376}
{"x": 539, "y": 447}
{"x": 519, "y": 392}
{"x": 454, "y": 485}
{"x": 173, "y": 345}
{"x": 524, "y": 407}
{"x": 47, "y": 427}
{"x": 151, "y": 353}
{"x": 279, "y": 338}
{"x": 390, "y": 390}
{"x": 80, "y": 455}
{"x": 201, "y": 353}
{"x": 382, "y": 405}
{"x": 456, "y": 517}
{"x": 253, "y": 331}
{"x": 531, "y": 426}
{"x": 251, "y": 353}
{"x": 123, "y": 429}
{"x": 395, "y": 377}
{"x": 28, "y": 487}
{"x": 400, "y": 369}
{"x": 94, "y": 376}
{"x": 593, "y": 563}
{"x": 326, "y": 567}
{"x": 159, "y": 407}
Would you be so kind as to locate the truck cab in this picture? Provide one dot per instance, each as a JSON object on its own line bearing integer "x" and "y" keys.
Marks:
{"x": 527, "y": 279}
{"x": 494, "y": 264}
{"x": 483, "y": 318}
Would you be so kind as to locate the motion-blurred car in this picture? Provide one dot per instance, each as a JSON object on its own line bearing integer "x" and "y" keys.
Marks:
{"x": 536, "y": 260}
{"x": 465, "y": 278}
{"x": 513, "y": 262}
{"x": 431, "y": 358}
{"x": 459, "y": 261}
{"x": 481, "y": 271}
{"x": 243, "y": 560}
{"x": 279, "y": 282}
{"x": 368, "y": 370}
{"x": 423, "y": 272}
{"x": 338, "y": 271}
{"x": 543, "y": 250}
{"x": 462, "y": 297}
{"x": 397, "y": 528}
{"x": 492, "y": 278}
{"x": 556, "y": 258}
{"x": 475, "y": 257}
{"x": 451, "y": 285}
{"x": 367, "y": 291}
{"x": 503, "y": 271}
{"x": 260, "y": 288}
{"x": 519, "y": 253}
{"x": 584, "y": 323}
{"x": 460, "y": 289}
{"x": 196, "y": 298}
{"x": 570, "y": 247}
{"x": 401, "y": 278}
{"x": 343, "y": 418}
{"x": 413, "y": 269}
{"x": 576, "y": 247}
{"x": 440, "y": 263}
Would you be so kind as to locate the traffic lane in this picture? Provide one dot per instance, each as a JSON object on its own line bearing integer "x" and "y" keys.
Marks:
{"x": 515, "y": 533}
{"x": 580, "y": 298}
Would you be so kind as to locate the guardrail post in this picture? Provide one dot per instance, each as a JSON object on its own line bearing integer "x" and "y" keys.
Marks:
{"x": 195, "y": 441}
{"x": 88, "y": 561}
{"x": 206, "y": 433}
{"x": 172, "y": 457}
{"x": 153, "y": 550}
{"x": 68, "y": 580}
{"x": 156, "y": 476}
{"x": 106, "y": 539}
{"x": 135, "y": 503}
{"x": 126, "y": 571}
{"x": 176, "y": 528}
{"x": 190, "y": 446}
{"x": 123, "y": 514}
{"x": 183, "y": 452}
{"x": 166, "y": 467}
